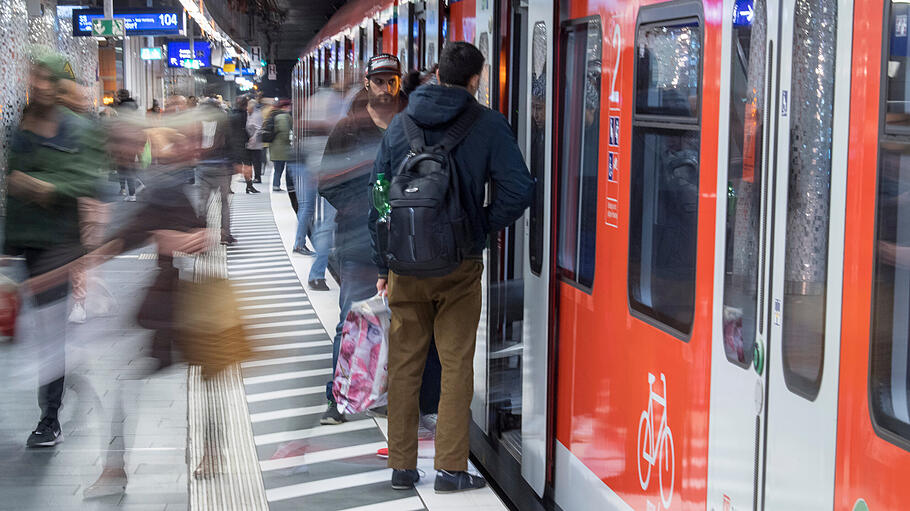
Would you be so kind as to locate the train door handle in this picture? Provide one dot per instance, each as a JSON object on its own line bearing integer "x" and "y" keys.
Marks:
{"x": 758, "y": 356}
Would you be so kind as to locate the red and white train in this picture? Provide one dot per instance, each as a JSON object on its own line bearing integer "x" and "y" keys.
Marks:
{"x": 708, "y": 305}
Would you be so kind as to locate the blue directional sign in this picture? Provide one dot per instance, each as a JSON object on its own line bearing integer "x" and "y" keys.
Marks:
{"x": 743, "y": 13}
{"x": 135, "y": 21}
{"x": 179, "y": 54}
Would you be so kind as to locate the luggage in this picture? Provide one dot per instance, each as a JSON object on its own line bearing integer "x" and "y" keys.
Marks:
{"x": 362, "y": 373}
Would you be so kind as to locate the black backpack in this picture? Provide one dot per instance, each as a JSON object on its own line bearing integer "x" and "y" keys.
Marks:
{"x": 268, "y": 128}
{"x": 429, "y": 232}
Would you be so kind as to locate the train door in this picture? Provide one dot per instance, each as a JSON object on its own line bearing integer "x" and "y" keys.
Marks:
{"x": 779, "y": 264}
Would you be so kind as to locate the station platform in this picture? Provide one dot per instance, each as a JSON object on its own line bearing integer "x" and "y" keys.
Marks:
{"x": 248, "y": 439}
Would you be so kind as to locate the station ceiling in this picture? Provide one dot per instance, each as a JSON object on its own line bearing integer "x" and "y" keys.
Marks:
{"x": 302, "y": 20}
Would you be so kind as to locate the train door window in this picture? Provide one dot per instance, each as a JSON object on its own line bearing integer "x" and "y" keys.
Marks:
{"x": 663, "y": 222}
{"x": 808, "y": 197}
{"x": 889, "y": 378}
{"x": 538, "y": 148}
{"x": 744, "y": 184}
{"x": 580, "y": 45}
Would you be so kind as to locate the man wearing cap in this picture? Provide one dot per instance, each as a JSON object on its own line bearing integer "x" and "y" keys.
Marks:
{"x": 54, "y": 159}
{"x": 344, "y": 181}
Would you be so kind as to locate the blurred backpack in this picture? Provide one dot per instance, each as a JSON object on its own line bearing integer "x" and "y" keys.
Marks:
{"x": 268, "y": 127}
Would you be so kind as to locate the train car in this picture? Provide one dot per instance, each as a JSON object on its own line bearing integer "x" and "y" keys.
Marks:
{"x": 706, "y": 306}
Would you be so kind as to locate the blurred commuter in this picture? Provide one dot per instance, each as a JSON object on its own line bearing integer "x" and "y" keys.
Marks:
{"x": 447, "y": 302}
{"x": 125, "y": 101}
{"x": 238, "y": 142}
{"x": 216, "y": 164}
{"x": 130, "y": 184}
{"x": 254, "y": 138}
{"x": 192, "y": 102}
{"x": 279, "y": 127}
{"x": 344, "y": 182}
{"x": 54, "y": 159}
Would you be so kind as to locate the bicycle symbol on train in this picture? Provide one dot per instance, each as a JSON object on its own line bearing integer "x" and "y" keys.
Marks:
{"x": 656, "y": 449}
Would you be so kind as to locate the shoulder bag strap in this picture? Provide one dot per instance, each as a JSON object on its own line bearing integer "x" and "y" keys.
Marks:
{"x": 415, "y": 135}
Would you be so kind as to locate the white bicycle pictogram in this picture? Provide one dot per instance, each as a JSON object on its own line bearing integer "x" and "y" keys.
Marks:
{"x": 661, "y": 451}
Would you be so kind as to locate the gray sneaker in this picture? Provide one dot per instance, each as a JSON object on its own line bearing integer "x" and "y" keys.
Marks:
{"x": 404, "y": 479}
{"x": 332, "y": 417}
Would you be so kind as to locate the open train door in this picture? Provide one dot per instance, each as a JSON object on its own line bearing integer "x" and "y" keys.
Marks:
{"x": 779, "y": 265}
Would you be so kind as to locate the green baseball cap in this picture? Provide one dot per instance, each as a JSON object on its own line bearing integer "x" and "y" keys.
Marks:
{"x": 57, "y": 64}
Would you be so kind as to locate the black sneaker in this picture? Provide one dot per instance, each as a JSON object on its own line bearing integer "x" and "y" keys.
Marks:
{"x": 46, "y": 434}
{"x": 304, "y": 250}
{"x": 318, "y": 285}
{"x": 331, "y": 417}
{"x": 451, "y": 482}
{"x": 228, "y": 240}
{"x": 404, "y": 479}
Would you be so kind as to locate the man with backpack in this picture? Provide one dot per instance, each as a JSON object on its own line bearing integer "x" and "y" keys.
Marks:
{"x": 344, "y": 182}
{"x": 438, "y": 156}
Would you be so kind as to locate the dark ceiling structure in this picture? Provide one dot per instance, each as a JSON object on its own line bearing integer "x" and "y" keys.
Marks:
{"x": 302, "y": 20}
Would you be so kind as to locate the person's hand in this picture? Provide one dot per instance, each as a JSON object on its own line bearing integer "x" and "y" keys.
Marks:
{"x": 24, "y": 186}
{"x": 191, "y": 242}
{"x": 382, "y": 287}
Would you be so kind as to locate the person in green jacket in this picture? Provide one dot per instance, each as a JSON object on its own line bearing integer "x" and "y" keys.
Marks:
{"x": 280, "y": 150}
{"x": 54, "y": 159}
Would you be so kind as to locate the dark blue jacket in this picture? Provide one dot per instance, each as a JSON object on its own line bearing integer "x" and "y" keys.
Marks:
{"x": 488, "y": 154}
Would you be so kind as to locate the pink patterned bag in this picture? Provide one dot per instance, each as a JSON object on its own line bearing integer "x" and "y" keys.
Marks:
{"x": 362, "y": 374}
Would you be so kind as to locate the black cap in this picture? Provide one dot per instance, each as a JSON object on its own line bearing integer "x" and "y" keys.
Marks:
{"x": 383, "y": 63}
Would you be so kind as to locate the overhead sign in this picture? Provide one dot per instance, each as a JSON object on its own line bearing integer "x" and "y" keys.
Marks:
{"x": 151, "y": 53}
{"x": 273, "y": 72}
{"x": 179, "y": 54}
{"x": 107, "y": 28}
{"x": 255, "y": 56}
{"x": 135, "y": 21}
{"x": 743, "y": 13}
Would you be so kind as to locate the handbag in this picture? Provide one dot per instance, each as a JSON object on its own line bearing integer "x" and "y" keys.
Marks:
{"x": 209, "y": 331}
{"x": 362, "y": 373}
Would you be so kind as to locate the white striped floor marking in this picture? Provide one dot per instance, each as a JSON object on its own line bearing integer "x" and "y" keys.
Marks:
{"x": 272, "y": 297}
{"x": 322, "y": 456}
{"x": 278, "y": 324}
{"x": 326, "y": 485}
{"x": 268, "y": 283}
{"x": 276, "y": 274}
{"x": 293, "y": 346}
{"x": 269, "y": 290}
{"x": 261, "y": 270}
{"x": 284, "y": 394}
{"x": 287, "y": 413}
{"x": 279, "y": 305}
{"x": 293, "y": 375}
{"x": 279, "y": 314}
{"x": 243, "y": 258}
{"x": 408, "y": 504}
{"x": 261, "y": 263}
{"x": 281, "y": 335}
{"x": 286, "y": 360}
{"x": 301, "y": 434}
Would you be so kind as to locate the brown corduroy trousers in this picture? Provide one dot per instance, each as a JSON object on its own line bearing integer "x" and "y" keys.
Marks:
{"x": 447, "y": 308}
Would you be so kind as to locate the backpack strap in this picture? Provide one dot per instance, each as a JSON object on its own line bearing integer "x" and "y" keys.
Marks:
{"x": 460, "y": 129}
{"x": 415, "y": 135}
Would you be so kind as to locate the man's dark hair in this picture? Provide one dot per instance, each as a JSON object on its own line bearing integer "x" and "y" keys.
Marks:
{"x": 459, "y": 62}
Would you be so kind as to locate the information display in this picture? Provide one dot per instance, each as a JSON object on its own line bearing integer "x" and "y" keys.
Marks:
{"x": 135, "y": 21}
{"x": 179, "y": 55}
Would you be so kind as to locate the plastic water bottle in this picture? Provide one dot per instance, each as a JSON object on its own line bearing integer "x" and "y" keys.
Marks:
{"x": 381, "y": 196}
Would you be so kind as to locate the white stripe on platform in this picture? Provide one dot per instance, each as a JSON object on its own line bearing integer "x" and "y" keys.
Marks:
{"x": 326, "y": 485}
{"x": 322, "y": 456}
{"x": 286, "y": 360}
{"x": 408, "y": 504}
{"x": 286, "y": 413}
{"x": 282, "y": 394}
{"x": 300, "y": 434}
{"x": 293, "y": 346}
{"x": 279, "y": 314}
{"x": 243, "y": 257}
{"x": 272, "y": 297}
{"x": 278, "y": 324}
{"x": 281, "y": 335}
{"x": 270, "y": 268}
{"x": 293, "y": 375}
{"x": 261, "y": 263}
{"x": 275, "y": 274}
{"x": 279, "y": 305}
{"x": 269, "y": 290}
{"x": 267, "y": 283}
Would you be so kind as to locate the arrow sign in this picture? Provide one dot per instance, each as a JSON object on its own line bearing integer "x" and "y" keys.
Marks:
{"x": 108, "y": 28}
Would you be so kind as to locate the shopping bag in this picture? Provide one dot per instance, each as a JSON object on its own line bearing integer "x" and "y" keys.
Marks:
{"x": 209, "y": 331}
{"x": 362, "y": 373}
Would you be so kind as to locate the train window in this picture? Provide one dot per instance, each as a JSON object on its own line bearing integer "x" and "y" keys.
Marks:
{"x": 889, "y": 378}
{"x": 897, "y": 113}
{"x": 668, "y": 70}
{"x": 744, "y": 184}
{"x": 808, "y": 197}
{"x": 538, "y": 151}
{"x": 663, "y": 221}
{"x": 581, "y": 43}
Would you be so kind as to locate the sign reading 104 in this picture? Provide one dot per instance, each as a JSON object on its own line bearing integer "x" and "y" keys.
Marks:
{"x": 168, "y": 19}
